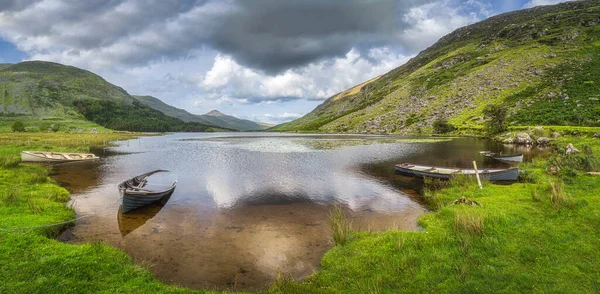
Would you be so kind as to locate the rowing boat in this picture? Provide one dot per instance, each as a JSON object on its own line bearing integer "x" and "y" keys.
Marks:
{"x": 506, "y": 158}
{"x": 44, "y": 156}
{"x": 422, "y": 171}
{"x": 137, "y": 192}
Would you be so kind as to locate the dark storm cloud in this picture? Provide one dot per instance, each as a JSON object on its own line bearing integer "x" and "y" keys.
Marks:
{"x": 274, "y": 35}
{"x": 14, "y": 5}
{"x": 270, "y": 35}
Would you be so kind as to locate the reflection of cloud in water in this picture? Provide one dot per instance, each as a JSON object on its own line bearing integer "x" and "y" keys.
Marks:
{"x": 273, "y": 145}
{"x": 279, "y": 179}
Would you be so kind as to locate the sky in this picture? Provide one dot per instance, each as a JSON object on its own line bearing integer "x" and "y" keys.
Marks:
{"x": 267, "y": 60}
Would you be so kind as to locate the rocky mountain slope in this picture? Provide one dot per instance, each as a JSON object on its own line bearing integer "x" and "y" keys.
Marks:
{"x": 542, "y": 63}
{"x": 214, "y": 117}
{"x": 50, "y": 90}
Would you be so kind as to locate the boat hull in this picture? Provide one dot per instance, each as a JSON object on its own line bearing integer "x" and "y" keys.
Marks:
{"x": 511, "y": 174}
{"x": 131, "y": 201}
{"x": 32, "y": 156}
{"x": 509, "y": 159}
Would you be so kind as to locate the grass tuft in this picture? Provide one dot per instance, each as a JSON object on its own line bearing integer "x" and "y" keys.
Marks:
{"x": 11, "y": 195}
{"x": 558, "y": 196}
{"x": 340, "y": 226}
{"x": 468, "y": 222}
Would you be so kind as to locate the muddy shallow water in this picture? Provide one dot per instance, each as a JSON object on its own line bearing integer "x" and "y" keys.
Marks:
{"x": 249, "y": 207}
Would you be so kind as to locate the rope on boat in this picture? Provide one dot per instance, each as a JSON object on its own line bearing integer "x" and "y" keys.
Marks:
{"x": 63, "y": 222}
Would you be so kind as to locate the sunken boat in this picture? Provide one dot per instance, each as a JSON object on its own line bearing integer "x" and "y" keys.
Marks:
{"x": 422, "y": 171}
{"x": 506, "y": 158}
{"x": 57, "y": 157}
{"x": 138, "y": 192}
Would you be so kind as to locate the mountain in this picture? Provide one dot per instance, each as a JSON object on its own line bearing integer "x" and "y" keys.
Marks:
{"x": 542, "y": 63}
{"x": 219, "y": 119}
{"x": 214, "y": 117}
{"x": 45, "y": 89}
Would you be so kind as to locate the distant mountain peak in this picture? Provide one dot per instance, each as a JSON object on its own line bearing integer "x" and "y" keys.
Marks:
{"x": 215, "y": 112}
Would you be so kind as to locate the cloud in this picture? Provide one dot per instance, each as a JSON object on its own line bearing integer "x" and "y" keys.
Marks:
{"x": 280, "y": 118}
{"x": 318, "y": 80}
{"x": 533, "y": 3}
{"x": 267, "y": 35}
{"x": 222, "y": 53}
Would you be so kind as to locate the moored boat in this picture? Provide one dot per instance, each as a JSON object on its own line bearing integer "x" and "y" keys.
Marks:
{"x": 422, "y": 171}
{"x": 44, "y": 156}
{"x": 506, "y": 158}
{"x": 136, "y": 192}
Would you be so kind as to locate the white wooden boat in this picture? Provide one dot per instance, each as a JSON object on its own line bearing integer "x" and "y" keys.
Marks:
{"x": 136, "y": 192}
{"x": 422, "y": 171}
{"x": 44, "y": 156}
{"x": 506, "y": 158}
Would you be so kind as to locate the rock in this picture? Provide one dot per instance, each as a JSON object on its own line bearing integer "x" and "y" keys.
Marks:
{"x": 555, "y": 135}
{"x": 543, "y": 141}
{"x": 596, "y": 135}
{"x": 508, "y": 141}
{"x": 522, "y": 139}
{"x": 570, "y": 149}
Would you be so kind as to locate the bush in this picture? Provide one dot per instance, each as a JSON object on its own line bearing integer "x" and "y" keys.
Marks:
{"x": 495, "y": 115}
{"x": 55, "y": 127}
{"x": 441, "y": 126}
{"x": 18, "y": 126}
{"x": 44, "y": 127}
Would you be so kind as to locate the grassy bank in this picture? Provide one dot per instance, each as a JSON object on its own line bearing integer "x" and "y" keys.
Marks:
{"x": 31, "y": 261}
{"x": 539, "y": 235}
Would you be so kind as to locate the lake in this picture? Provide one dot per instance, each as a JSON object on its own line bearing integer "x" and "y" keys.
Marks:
{"x": 251, "y": 206}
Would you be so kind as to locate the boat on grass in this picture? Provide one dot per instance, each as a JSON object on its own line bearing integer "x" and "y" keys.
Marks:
{"x": 137, "y": 191}
{"x": 423, "y": 171}
{"x": 45, "y": 156}
{"x": 506, "y": 158}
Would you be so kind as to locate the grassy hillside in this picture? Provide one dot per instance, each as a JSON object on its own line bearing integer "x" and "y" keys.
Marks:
{"x": 47, "y": 90}
{"x": 542, "y": 63}
{"x": 214, "y": 117}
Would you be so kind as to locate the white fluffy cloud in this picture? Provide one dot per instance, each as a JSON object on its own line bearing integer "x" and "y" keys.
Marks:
{"x": 318, "y": 80}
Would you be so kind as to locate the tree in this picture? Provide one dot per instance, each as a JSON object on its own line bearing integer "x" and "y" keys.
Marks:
{"x": 441, "y": 126}
{"x": 495, "y": 115}
{"x": 18, "y": 126}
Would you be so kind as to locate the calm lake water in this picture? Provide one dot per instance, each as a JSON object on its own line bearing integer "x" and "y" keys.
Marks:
{"x": 251, "y": 206}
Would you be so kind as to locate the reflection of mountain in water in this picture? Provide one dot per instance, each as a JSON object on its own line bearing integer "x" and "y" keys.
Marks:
{"x": 129, "y": 222}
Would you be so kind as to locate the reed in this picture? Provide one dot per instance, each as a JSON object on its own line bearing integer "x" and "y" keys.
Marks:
{"x": 340, "y": 225}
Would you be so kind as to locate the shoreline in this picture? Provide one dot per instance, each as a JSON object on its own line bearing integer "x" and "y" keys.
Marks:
{"x": 334, "y": 260}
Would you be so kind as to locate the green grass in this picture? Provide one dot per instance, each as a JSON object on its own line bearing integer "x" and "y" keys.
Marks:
{"x": 31, "y": 261}
{"x": 538, "y": 235}
{"x": 535, "y": 236}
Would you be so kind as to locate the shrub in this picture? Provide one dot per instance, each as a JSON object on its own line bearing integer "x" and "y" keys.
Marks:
{"x": 441, "y": 126}
{"x": 18, "y": 126}
{"x": 495, "y": 115}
